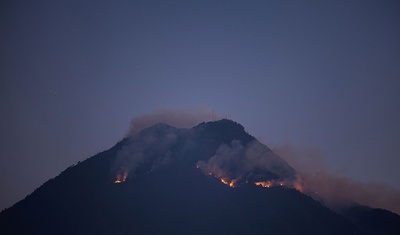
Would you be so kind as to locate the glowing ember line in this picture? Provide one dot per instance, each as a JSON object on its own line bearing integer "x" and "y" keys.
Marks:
{"x": 265, "y": 184}
{"x": 224, "y": 182}
{"x": 295, "y": 183}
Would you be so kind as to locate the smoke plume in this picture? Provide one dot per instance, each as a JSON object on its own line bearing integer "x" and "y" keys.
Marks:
{"x": 334, "y": 190}
{"x": 150, "y": 147}
{"x": 238, "y": 163}
{"x": 176, "y": 118}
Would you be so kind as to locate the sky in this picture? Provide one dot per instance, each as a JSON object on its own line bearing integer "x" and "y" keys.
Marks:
{"x": 319, "y": 74}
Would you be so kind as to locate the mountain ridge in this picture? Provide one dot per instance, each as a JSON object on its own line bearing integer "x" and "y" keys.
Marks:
{"x": 165, "y": 191}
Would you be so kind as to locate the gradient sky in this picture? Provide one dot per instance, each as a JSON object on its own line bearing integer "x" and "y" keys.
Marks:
{"x": 322, "y": 74}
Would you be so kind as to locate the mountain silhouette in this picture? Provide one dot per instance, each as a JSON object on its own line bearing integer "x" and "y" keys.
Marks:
{"x": 201, "y": 180}
{"x": 373, "y": 220}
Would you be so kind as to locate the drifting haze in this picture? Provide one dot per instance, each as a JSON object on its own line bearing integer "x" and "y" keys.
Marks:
{"x": 150, "y": 141}
{"x": 152, "y": 145}
{"x": 176, "y": 118}
{"x": 253, "y": 162}
{"x": 333, "y": 189}
{"x": 237, "y": 162}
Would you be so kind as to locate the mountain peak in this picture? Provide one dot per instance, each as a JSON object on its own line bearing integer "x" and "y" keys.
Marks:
{"x": 227, "y": 123}
{"x": 224, "y": 130}
{"x": 167, "y": 180}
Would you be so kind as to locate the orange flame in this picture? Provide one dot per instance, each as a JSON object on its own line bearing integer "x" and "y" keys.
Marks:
{"x": 265, "y": 184}
{"x": 224, "y": 181}
{"x": 268, "y": 184}
{"x": 231, "y": 183}
{"x": 121, "y": 178}
{"x": 295, "y": 184}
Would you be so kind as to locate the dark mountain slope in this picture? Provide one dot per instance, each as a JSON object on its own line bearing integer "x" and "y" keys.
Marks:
{"x": 162, "y": 190}
{"x": 373, "y": 221}
{"x": 64, "y": 201}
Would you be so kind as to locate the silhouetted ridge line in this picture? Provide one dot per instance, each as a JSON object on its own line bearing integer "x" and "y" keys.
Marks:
{"x": 168, "y": 180}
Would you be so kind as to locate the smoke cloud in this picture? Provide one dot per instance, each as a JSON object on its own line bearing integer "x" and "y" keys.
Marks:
{"x": 150, "y": 147}
{"x": 335, "y": 190}
{"x": 176, "y": 118}
{"x": 253, "y": 162}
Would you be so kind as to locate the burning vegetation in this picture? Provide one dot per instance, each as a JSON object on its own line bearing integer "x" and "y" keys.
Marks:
{"x": 121, "y": 177}
{"x": 234, "y": 163}
{"x": 230, "y": 183}
{"x": 237, "y": 164}
{"x": 296, "y": 184}
{"x": 224, "y": 151}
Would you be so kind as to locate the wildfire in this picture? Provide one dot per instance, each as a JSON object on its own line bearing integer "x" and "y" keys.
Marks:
{"x": 229, "y": 183}
{"x": 291, "y": 184}
{"x": 265, "y": 184}
{"x": 121, "y": 178}
{"x": 224, "y": 181}
{"x": 235, "y": 182}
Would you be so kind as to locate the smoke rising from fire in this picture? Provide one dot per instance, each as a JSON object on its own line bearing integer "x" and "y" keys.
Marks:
{"x": 152, "y": 146}
{"x": 176, "y": 118}
{"x": 335, "y": 190}
{"x": 241, "y": 163}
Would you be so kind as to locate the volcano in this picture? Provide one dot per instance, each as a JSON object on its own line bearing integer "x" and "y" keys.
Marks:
{"x": 213, "y": 178}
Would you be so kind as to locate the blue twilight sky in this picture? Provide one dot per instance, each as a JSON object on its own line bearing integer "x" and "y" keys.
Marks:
{"x": 324, "y": 74}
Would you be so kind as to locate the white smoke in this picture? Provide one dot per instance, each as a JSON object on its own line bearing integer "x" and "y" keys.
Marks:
{"x": 176, "y": 118}
{"x": 333, "y": 189}
{"x": 234, "y": 162}
{"x": 151, "y": 145}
